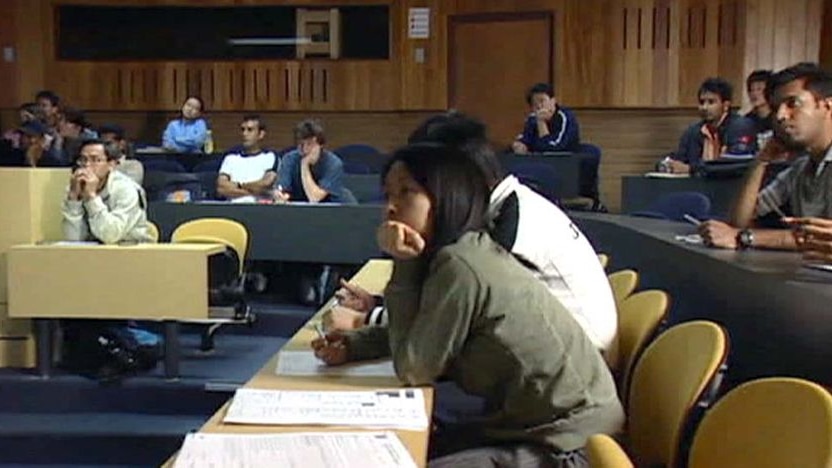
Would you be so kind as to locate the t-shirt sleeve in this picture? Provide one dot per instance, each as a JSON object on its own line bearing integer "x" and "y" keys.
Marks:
{"x": 284, "y": 175}
{"x": 227, "y": 166}
{"x": 332, "y": 177}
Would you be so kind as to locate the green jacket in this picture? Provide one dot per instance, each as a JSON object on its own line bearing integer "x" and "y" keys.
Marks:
{"x": 478, "y": 317}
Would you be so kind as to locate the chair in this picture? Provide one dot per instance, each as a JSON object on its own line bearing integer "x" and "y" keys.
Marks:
{"x": 639, "y": 317}
{"x": 604, "y": 259}
{"x": 678, "y": 371}
{"x": 162, "y": 165}
{"x": 767, "y": 423}
{"x": 604, "y": 452}
{"x": 208, "y": 184}
{"x": 357, "y": 149}
{"x": 623, "y": 283}
{"x": 356, "y": 167}
{"x": 674, "y": 206}
{"x": 153, "y": 231}
{"x": 212, "y": 165}
{"x": 539, "y": 176}
{"x": 235, "y": 236}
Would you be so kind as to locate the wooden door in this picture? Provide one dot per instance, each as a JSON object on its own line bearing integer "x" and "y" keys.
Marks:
{"x": 492, "y": 61}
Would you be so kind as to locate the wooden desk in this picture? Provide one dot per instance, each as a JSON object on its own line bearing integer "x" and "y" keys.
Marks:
{"x": 372, "y": 277}
{"x": 160, "y": 282}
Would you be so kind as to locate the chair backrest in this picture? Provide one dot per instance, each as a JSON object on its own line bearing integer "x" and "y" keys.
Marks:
{"x": 669, "y": 379}
{"x": 211, "y": 165}
{"x": 153, "y": 231}
{"x": 604, "y": 452}
{"x": 589, "y": 148}
{"x": 604, "y": 259}
{"x": 208, "y": 184}
{"x": 623, "y": 283}
{"x": 639, "y": 318}
{"x": 357, "y": 149}
{"x": 357, "y": 167}
{"x": 226, "y": 231}
{"x": 162, "y": 165}
{"x": 767, "y": 423}
{"x": 674, "y": 206}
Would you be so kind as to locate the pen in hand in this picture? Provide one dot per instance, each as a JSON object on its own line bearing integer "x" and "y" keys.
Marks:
{"x": 321, "y": 334}
{"x": 691, "y": 219}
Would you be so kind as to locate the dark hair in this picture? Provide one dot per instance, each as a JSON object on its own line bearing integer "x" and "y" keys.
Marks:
{"x": 718, "y": 86}
{"x": 458, "y": 192}
{"x": 34, "y": 109}
{"x": 815, "y": 79}
{"x": 115, "y": 129}
{"x": 53, "y": 98}
{"x": 254, "y": 118}
{"x": 198, "y": 99}
{"x": 74, "y": 116}
{"x": 110, "y": 149}
{"x": 465, "y": 133}
{"x": 310, "y": 128}
{"x": 757, "y": 76}
{"x": 538, "y": 88}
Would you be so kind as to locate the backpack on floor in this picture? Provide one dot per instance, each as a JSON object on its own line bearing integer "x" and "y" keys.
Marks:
{"x": 109, "y": 351}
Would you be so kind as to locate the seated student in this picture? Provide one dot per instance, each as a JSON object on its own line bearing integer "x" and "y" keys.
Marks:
{"x": 802, "y": 98}
{"x": 463, "y": 308}
{"x": 102, "y": 203}
{"x": 49, "y": 103}
{"x": 760, "y": 113}
{"x": 73, "y": 128}
{"x": 310, "y": 173}
{"x": 525, "y": 224}
{"x": 38, "y": 150}
{"x": 552, "y": 127}
{"x": 249, "y": 174}
{"x": 719, "y": 132}
{"x": 28, "y": 112}
{"x": 188, "y": 133}
{"x": 132, "y": 168}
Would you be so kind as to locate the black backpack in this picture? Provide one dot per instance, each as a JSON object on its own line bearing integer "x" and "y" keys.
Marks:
{"x": 109, "y": 351}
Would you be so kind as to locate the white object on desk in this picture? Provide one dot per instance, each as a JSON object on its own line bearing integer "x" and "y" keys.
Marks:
{"x": 737, "y": 157}
{"x": 309, "y": 450}
{"x": 666, "y": 175}
{"x": 304, "y": 363}
{"x": 819, "y": 266}
{"x": 691, "y": 239}
{"x": 397, "y": 408}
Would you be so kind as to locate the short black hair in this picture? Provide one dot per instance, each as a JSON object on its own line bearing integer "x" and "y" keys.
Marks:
{"x": 458, "y": 191}
{"x": 465, "y": 133}
{"x": 49, "y": 95}
{"x": 310, "y": 128}
{"x": 539, "y": 88}
{"x": 757, "y": 76}
{"x": 718, "y": 86}
{"x": 254, "y": 118}
{"x": 110, "y": 149}
{"x": 115, "y": 129}
{"x": 75, "y": 116}
{"x": 815, "y": 79}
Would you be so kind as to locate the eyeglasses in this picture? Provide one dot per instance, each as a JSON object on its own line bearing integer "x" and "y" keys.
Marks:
{"x": 87, "y": 162}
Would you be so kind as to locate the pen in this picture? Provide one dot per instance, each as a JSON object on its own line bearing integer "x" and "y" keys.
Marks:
{"x": 691, "y": 219}
{"x": 321, "y": 334}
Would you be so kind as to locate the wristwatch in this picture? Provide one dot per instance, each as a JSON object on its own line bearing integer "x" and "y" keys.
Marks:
{"x": 745, "y": 239}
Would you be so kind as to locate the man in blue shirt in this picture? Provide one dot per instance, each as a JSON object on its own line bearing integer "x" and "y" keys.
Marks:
{"x": 310, "y": 173}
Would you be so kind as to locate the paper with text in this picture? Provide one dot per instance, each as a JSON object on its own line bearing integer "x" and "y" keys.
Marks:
{"x": 309, "y": 450}
{"x": 304, "y": 363}
{"x": 398, "y": 408}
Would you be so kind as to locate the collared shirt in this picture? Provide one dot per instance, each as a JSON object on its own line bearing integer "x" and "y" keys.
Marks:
{"x": 328, "y": 173}
{"x": 185, "y": 136}
{"x": 804, "y": 187}
{"x": 116, "y": 214}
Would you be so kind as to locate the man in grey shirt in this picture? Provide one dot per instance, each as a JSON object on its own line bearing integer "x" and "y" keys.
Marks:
{"x": 802, "y": 99}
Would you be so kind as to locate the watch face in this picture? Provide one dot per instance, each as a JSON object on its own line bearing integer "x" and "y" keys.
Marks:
{"x": 746, "y": 238}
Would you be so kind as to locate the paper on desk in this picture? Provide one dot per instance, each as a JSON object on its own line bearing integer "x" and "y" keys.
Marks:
{"x": 819, "y": 266}
{"x": 398, "y": 408}
{"x": 666, "y": 175}
{"x": 309, "y": 450}
{"x": 304, "y": 363}
{"x": 690, "y": 239}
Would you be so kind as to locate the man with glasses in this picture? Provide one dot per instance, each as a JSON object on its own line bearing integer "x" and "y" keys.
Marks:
{"x": 103, "y": 204}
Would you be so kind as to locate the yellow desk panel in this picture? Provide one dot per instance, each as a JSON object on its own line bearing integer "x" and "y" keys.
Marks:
{"x": 143, "y": 282}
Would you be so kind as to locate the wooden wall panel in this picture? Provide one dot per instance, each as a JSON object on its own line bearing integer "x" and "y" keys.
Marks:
{"x": 825, "y": 38}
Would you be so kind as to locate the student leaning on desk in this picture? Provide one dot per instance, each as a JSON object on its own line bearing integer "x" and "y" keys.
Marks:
{"x": 103, "y": 204}
{"x": 462, "y": 307}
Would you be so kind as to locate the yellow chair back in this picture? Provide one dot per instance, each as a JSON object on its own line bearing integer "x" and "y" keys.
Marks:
{"x": 604, "y": 259}
{"x": 668, "y": 381}
{"x": 153, "y": 231}
{"x": 623, "y": 283}
{"x": 218, "y": 230}
{"x": 767, "y": 423}
{"x": 604, "y": 452}
{"x": 639, "y": 316}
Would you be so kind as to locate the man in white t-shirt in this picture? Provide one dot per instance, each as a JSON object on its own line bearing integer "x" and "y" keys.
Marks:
{"x": 248, "y": 174}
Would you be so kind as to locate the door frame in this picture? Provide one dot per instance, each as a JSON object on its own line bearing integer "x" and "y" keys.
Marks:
{"x": 456, "y": 20}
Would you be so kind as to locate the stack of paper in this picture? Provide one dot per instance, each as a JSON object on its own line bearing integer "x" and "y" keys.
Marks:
{"x": 309, "y": 450}
{"x": 304, "y": 363}
{"x": 402, "y": 408}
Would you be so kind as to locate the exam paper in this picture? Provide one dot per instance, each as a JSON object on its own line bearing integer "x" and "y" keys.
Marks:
{"x": 398, "y": 408}
{"x": 309, "y": 450}
{"x": 304, "y": 363}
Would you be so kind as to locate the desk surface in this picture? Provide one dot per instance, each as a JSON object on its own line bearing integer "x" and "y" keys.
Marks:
{"x": 639, "y": 192}
{"x": 777, "y": 313}
{"x": 373, "y": 277}
{"x": 140, "y": 281}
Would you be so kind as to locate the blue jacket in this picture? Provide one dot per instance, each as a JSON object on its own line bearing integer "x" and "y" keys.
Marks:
{"x": 564, "y": 133}
{"x": 738, "y": 134}
{"x": 185, "y": 136}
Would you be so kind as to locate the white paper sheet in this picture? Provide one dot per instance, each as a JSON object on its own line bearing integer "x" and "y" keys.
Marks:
{"x": 398, "y": 408}
{"x": 690, "y": 239}
{"x": 304, "y": 363}
{"x": 309, "y": 450}
{"x": 818, "y": 266}
{"x": 666, "y": 175}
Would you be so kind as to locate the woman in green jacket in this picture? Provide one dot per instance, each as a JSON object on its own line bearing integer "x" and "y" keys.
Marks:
{"x": 462, "y": 308}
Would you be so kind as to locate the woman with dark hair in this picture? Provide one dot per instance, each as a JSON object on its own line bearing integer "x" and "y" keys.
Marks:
{"x": 188, "y": 133}
{"x": 462, "y": 307}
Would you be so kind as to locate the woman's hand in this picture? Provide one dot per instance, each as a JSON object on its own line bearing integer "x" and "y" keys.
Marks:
{"x": 334, "y": 350}
{"x": 400, "y": 240}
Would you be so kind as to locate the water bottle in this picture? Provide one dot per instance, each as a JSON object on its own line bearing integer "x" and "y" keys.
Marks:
{"x": 209, "y": 143}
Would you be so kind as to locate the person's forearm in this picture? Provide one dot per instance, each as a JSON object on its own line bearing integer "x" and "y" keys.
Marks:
{"x": 262, "y": 186}
{"x": 311, "y": 188}
{"x": 230, "y": 190}
{"x": 773, "y": 239}
{"x": 745, "y": 204}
